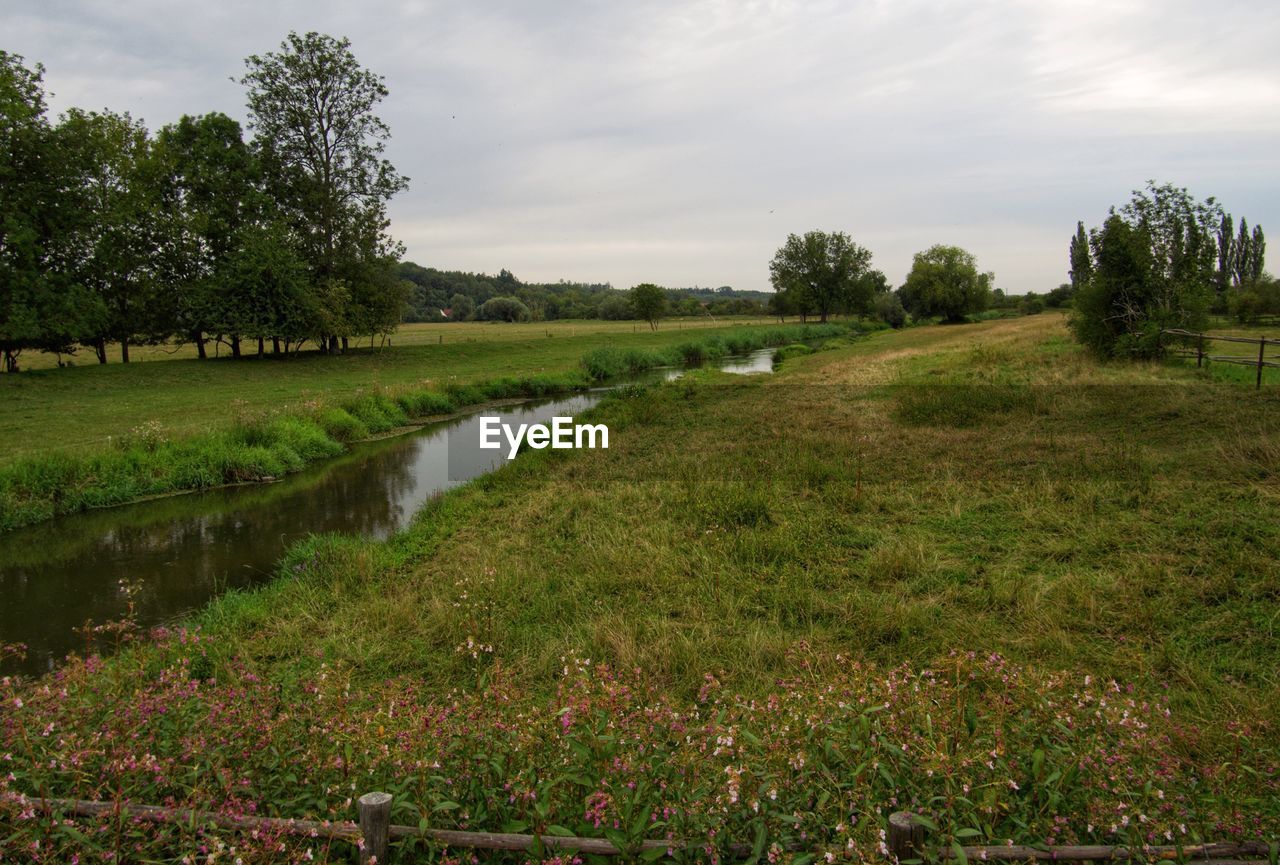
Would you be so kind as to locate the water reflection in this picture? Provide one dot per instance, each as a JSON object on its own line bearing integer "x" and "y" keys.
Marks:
{"x": 184, "y": 550}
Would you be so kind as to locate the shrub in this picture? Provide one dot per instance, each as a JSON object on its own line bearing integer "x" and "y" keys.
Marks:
{"x": 503, "y": 309}
{"x": 889, "y": 309}
{"x": 615, "y": 307}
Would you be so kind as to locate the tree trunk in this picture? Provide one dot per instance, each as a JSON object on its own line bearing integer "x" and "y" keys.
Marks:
{"x": 100, "y": 349}
{"x": 333, "y": 345}
{"x": 275, "y": 345}
{"x": 262, "y": 349}
{"x": 204, "y": 355}
{"x": 235, "y": 346}
{"x": 344, "y": 345}
{"x": 124, "y": 350}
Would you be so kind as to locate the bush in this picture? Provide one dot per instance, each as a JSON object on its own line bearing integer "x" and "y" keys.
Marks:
{"x": 1248, "y": 305}
{"x": 889, "y": 309}
{"x": 615, "y": 307}
{"x": 503, "y": 309}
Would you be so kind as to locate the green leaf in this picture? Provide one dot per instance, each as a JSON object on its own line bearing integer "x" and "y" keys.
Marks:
{"x": 758, "y": 847}
{"x": 446, "y": 806}
{"x": 618, "y": 839}
{"x": 653, "y": 854}
{"x": 556, "y": 829}
{"x": 959, "y": 852}
{"x": 968, "y": 833}
{"x": 638, "y": 825}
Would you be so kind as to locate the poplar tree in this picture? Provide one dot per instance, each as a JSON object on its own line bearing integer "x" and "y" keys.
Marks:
{"x": 1081, "y": 266}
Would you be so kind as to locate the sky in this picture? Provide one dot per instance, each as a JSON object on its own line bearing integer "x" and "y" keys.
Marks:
{"x": 680, "y": 142}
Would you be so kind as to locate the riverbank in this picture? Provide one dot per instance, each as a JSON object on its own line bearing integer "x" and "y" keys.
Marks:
{"x": 83, "y": 408}
{"x": 778, "y": 583}
{"x": 263, "y": 446}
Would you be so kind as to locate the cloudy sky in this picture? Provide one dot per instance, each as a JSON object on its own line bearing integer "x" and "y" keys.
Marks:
{"x": 679, "y": 142}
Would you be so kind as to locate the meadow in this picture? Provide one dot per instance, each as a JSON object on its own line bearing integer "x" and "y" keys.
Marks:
{"x": 84, "y": 407}
{"x": 261, "y": 441}
{"x": 965, "y": 570}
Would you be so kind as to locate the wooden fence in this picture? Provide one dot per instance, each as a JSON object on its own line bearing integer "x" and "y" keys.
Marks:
{"x": 1202, "y": 356}
{"x": 906, "y": 837}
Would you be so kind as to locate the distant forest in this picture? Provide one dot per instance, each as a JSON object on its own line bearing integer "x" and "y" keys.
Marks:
{"x": 451, "y": 295}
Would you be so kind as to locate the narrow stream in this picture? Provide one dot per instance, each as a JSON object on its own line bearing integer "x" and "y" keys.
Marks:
{"x": 175, "y": 554}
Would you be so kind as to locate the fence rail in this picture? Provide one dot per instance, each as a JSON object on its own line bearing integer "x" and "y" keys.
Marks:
{"x": 1245, "y": 360}
{"x": 374, "y": 832}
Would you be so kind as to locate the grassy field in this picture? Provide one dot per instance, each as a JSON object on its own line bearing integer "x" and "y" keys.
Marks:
{"x": 966, "y": 570}
{"x": 266, "y": 441}
{"x": 405, "y": 335}
{"x": 80, "y": 408}
{"x": 979, "y": 486}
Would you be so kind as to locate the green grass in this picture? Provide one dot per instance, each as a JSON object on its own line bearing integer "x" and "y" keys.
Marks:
{"x": 962, "y": 497}
{"x": 850, "y": 584}
{"x": 263, "y": 446}
{"x": 86, "y": 407}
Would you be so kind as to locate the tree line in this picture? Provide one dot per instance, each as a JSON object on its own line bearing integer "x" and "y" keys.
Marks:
{"x": 449, "y": 295}
{"x": 1164, "y": 260}
{"x": 110, "y": 233}
{"x": 823, "y": 273}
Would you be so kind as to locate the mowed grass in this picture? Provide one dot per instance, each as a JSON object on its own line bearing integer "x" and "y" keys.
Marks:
{"x": 79, "y": 409}
{"x": 983, "y": 487}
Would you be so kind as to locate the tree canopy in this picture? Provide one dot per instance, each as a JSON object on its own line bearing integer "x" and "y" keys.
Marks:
{"x": 1162, "y": 260}
{"x": 820, "y": 273}
{"x": 649, "y": 302}
{"x": 111, "y": 234}
{"x": 945, "y": 281}
{"x": 313, "y": 109}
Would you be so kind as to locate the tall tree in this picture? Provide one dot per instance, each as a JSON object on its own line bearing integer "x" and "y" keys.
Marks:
{"x": 1080, "y": 264}
{"x": 1257, "y": 256}
{"x": 1155, "y": 266}
{"x": 312, "y": 108}
{"x": 944, "y": 280}
{"x": 1181, "y": 233}
{"x": 40, "y": 307}
{"x": 1240, "y": 261}
{"x": 1226, "y": 255}
{"x": 127, "y": 250}
{"x": 823, "y": 272}
{"x": 212, "y": 176}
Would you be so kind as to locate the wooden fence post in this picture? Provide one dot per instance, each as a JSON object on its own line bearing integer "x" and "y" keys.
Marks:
{"x": 906, "y": 836}
{"x": 375, "y": 826}
{"x": 1262, "y": 347}
{"x": 1200, "y": 351}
